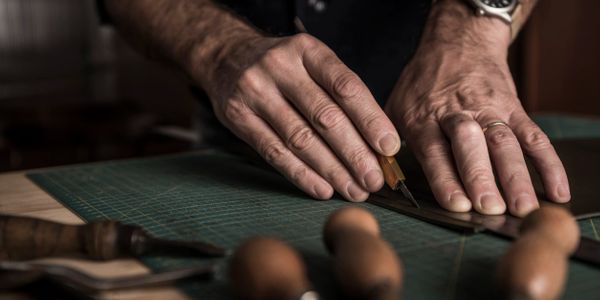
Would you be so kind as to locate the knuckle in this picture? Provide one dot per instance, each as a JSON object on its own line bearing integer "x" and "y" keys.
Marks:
{"x": 274, "y": 153}
{"x": 433, "y": 150}
{"x": 301, "y": 138}
{"x": 444, "y": 184}
{"x": 446, "y": 180}
{"x": 500, "y": 136}
{"x": 372, "y": 121}
{"x": 338, "y": 176}
{"x": 346, "y": 86}
{"x": 277, "y": 56}
{"x": 235, "y": 110}
{"x": 250, "y": 81}
{"x": 358, "y": 158}
{"x": 320, "y": 98}
{"x": 536, "y": 140}
{"x": 443, "y": 178}
{"x": 517, "y": 178}
{"x": 460, "y": 125}
{"x": 304, "y": 40}
{"x": 466, "y": 129}
{"x": 468, "y": 93}
{"x": 478, "y": 175}
{"x": 328, "y": 116}
{"x": 298, "y": 174}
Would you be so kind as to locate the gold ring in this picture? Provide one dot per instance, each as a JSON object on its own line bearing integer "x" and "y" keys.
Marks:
{"x": 495, "y": 123}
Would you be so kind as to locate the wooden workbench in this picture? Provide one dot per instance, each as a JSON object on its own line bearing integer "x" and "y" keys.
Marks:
{"x": 20, "y": 196}
{"x": 223, "y": 201}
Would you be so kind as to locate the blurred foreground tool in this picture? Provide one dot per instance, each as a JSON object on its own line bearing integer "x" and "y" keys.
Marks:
{"x": 26, "y": 238}
{"x": 535, "y": 266}
{"x": 15, "y": 275}
{"x": 264, "y": 268}
{"x": 366, "y": 266}
{"x": 394, "y": 177}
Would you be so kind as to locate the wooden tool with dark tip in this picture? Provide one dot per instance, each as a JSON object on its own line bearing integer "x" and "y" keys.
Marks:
{"x": 23, "y": 238}
{"x": 536, "y": 264}
{"x": 366, "y": 266}
{"x": 264, "y": 268}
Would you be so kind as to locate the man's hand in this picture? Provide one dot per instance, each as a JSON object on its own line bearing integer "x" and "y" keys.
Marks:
{"x": 290, "y": 98}
{"x": 455, "y": 86}
{"x": 305, "y": 112}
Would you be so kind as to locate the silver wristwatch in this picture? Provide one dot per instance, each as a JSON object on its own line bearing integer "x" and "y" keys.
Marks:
{"x": 508, "y": 11}
{"x": 502, "y": 9}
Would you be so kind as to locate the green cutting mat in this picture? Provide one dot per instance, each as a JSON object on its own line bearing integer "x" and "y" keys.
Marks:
{"x": 224, "y": 200}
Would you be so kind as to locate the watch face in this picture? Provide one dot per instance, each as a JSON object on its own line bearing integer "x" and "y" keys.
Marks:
{"x": 498, "y": 3}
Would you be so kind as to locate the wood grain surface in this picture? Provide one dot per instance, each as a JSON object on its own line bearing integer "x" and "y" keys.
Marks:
{"x": 20, "y": 196}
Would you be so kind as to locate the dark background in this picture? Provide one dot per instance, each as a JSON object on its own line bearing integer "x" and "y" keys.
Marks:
{"x": 72, "y": 91}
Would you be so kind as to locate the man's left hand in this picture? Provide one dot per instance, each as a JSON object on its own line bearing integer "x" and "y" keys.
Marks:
{"x": 457, "y": 107}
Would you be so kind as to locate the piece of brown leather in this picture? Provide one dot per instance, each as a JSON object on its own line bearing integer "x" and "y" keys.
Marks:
{"x": 581, "y": 158}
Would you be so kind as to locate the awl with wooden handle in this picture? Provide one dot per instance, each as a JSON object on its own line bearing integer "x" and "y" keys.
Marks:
{"x": 265, "y": 268}
{"x": 26, "y": 238}
{"x": 365, "y": 265}
{"x": 536, "y": 264}
{"x": 394, "y": 177}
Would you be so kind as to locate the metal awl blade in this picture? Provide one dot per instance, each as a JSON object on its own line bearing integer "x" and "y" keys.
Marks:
{"x": 394, "y": 177}
{"x": 406, "y": 193}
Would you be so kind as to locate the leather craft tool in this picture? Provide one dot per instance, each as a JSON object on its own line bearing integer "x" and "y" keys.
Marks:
{"x": 17, "y": 274}
{"x": 26, "y": 238}
{"x": 366, "y": 266}
{"x": 394, "y": 177}
{"x": 264, "y": 268}
{"x": 535, "y": 266}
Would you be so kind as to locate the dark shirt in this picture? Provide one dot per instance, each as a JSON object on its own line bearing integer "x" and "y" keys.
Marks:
{"x": 375, "y": 38}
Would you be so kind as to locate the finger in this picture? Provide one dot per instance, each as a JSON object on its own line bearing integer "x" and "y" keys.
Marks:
{"x": 353, "y": 96}
{"x": 473, "y": 162}
{"x": 302, "y": 140}
{"x": 511, "y": 169}
{"x": 433, "y": 152}
{"x": 255, "y": 132}
{"x": 537, "y": 146}
{"x": 336, "y": 129}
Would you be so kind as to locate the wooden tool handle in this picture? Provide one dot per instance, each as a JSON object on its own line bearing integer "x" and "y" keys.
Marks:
{"x": 264, "y": 268}
{"x": 365, "y": 265}
{"x": 391, "y": 171}
{"x": 535, "y": 266}
{"x": 24, "y": 238}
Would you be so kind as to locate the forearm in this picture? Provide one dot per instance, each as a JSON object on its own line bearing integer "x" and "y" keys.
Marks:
{"x": 192, "y": 33}
{"x": 454, "y": 22}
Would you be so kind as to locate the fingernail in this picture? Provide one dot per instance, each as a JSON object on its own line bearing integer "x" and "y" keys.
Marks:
{"x": 389, "y": 144}
{"x": 356, "y": 192}
{"x": 492, "y": 205}
{"x": 323, "y": 191}
{"x": 524, "y": 205}
{"x": 563, "y": 191}
{"x": 460, "y": 203}
{"x": 373, "y": 180}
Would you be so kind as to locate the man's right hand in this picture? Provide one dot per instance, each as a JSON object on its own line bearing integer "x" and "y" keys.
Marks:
{"x": 305, "y": 113}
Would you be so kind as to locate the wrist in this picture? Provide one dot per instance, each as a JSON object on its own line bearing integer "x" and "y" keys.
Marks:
{"x": 454, "y": 23}
{"x": 214, "y": 55}
{"x": 208, "y": 39}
